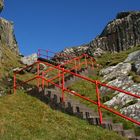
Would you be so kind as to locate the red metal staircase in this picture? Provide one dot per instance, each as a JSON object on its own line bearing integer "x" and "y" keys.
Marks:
{"x": 59, "y": 75}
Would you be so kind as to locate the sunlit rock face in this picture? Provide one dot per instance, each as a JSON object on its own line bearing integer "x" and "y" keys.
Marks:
{"x": 7, "y": 36}
{"x": 119, "y": 34}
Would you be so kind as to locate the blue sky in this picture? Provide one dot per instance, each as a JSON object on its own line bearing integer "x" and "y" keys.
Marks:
{"x": 57, "y": 24}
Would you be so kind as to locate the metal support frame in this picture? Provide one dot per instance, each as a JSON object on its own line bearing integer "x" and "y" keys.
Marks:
{"x": 38, "y": 73}
{"x": 62, "y": 87}
{"x": 98, "y": 101}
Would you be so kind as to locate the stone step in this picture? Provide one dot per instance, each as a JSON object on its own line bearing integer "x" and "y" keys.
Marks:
{"x": 107, "y": 123}
{"x": 118, "y": 128}
{"x": 94, "y": 120}
{"x": 129, "y": 133}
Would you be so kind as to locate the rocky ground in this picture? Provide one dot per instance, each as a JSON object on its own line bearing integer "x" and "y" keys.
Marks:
{"x": 119, "y": 76}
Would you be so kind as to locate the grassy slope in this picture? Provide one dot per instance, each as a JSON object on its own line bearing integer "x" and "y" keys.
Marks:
{"x": 23, "y": 117}
{"x": 10, "y": 60}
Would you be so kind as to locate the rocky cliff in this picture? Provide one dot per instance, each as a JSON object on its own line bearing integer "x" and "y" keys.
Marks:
{"x": 7, "y": 36}
{"x": 9, "y": 53}
{"x": 120, "y": 34}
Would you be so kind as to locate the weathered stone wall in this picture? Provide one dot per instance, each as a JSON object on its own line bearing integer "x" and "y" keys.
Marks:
{"x": 119, "y": 34}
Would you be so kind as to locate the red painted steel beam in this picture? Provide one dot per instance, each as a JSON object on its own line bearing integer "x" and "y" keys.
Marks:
{"x": 25, "y": 68}
{"x": 119, "y": 114}
{"x": 119, "y": 90}
{"x": 27, "y": 81}
{"x": 83, "y": 97}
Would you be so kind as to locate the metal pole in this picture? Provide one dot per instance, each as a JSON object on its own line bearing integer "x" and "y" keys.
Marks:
{"x": 43, "y": 80}
{"x": 99, "y": 104}
{"x": 59, "y": 76}
{"x": 75, "y": 66}
{"x": 63, "y": 85}
{"x": 79, "y": 64}
{"x": 38, "y": 72}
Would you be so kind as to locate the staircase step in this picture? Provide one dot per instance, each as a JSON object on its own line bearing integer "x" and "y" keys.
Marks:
{"x": 107, "y": 123}
{"x": 94, "y": 120}
{"x": 129, "y": 133}
{"x": 117, "y": 127}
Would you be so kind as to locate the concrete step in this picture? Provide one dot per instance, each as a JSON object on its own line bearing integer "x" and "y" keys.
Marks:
{"x": 129, "y": 133}
{"x": 93, "y": 120}
{"x": 118, "y": 128}
{"x": 107, "y": 123}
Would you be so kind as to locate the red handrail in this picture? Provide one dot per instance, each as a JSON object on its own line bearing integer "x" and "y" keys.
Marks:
{"x": 62, "y": 87}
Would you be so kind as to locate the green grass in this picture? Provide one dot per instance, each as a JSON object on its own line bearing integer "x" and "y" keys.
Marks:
{"x": 10, "y": 60}
{"x": 23, "y": 117}
{"x": 109, "y": 59}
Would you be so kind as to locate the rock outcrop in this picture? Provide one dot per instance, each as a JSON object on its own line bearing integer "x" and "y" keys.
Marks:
{"x": 119, "y": 76}
{"x": 119, "y": 34}
{"x": 121, "y": 69}
{"x": 69, "y": 53}
{"x": 29, "y": 60}
{"x": 134, "y": 58}
{"x": 7, "y": 36}
{"x": 1, "y": 5}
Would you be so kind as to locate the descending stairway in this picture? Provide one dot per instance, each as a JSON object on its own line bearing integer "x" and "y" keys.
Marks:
{"x": 53, "y": 97}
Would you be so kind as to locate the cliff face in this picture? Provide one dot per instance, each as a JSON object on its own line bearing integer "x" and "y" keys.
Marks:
{"x": 1, "y": 5}
{"x": 7, "y": 36}
{"x": 119, "y": 34}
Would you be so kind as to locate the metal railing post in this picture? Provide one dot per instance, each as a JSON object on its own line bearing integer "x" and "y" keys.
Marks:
{"x": 14, "y": 83}
{"x": 43, "y": 76}
{"x": 38, "y": 72}
{"x": 63, "y": 85}
{"x": 79, "y": 64}
{"x": 98, "y": 101}
{"x": 59, "y": 75}
{"x": 75, "y": 66}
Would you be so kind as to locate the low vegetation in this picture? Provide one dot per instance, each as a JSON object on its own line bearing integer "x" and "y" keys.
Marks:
{"x": 109, "y": 59}
{"x": 25, "y": 117}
